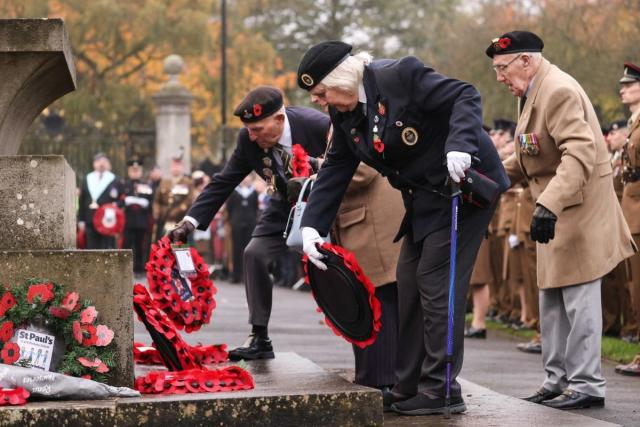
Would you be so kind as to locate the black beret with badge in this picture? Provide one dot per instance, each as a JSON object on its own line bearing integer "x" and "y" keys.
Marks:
{"x": 515, "y": 42}
{"x": 320, "y": 60}
{"x": 617, "y": 125}
{"x": 631, "y": 73}
{"x": 260, "y": 103}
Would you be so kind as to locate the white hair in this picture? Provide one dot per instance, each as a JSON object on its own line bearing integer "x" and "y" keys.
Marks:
{"x": 348, "y": 74}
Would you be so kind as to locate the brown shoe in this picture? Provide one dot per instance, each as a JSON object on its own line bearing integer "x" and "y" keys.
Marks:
{"x": 632, "y": 369}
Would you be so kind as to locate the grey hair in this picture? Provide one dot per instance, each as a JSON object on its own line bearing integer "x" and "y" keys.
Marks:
{"x": 348, "y": 74}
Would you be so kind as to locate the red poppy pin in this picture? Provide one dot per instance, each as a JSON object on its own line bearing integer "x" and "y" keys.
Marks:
{"x": 378, "y": 145}
{"x": 504, "y": 42}
{"x": 257, "y": 110}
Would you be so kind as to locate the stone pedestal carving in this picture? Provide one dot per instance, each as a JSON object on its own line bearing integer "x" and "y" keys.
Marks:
{"x": 173, "y": 117}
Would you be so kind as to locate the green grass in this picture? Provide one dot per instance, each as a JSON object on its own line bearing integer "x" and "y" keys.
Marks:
{"x": 613, "y": 349}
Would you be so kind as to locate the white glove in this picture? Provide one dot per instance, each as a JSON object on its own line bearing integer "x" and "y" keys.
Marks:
{"x": 457, "y": 163}
{"x": 513, "y": 241}
{"x": 310, "y": 238}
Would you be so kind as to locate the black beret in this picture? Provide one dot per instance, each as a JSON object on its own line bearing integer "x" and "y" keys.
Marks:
{"x": 504, "y": 124}
{"x": 618, "y": 124}
{"x": 514, "y": 42}
{"x": 631, "y": 73}
{"x": 260, "y": 103}
{"x": 134, "y": 161}
{"x": 319, "y": 61}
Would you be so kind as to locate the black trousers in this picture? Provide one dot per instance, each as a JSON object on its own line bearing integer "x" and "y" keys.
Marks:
{"x": 259, "y": 253}
{"x": 96, "y": 240}
{"x": 135, "y": 239}
{"x": 423, "y": 294}
{"x": 241, "y": 236}
{"x": 375, "y": 364}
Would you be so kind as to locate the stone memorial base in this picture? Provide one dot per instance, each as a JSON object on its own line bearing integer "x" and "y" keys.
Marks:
{"x": 290, "y": 391}
{"x": 103, "y": 276}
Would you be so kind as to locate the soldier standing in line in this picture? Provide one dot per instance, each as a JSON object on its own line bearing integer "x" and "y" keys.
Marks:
{"x": 242, "y": 206}
{"x": 630, "y": 95}
{"x": 137, "y": 206}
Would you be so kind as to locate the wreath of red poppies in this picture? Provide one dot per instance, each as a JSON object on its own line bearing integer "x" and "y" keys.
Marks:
{"x": 204, "y": 354}
{"x": 230, "y": 378}
{"x": 116, "y": 228}
{"x": 189, "y": 315}
{"x": 300, "y": 162}
{"x": 352, "y": 264}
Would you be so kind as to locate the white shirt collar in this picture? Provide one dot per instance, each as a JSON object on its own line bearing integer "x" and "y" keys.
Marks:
{"x": 362, "y": 95}
{"x": 285, "y": 139}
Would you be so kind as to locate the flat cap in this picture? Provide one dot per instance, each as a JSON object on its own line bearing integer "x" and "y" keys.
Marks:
{"x": 515, "y": 42}
{"x": 258, "y": 104}
{"x": 631, "y": 73}
{"x": 320, "y": 60}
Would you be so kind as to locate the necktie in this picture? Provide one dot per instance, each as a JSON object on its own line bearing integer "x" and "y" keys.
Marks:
{"x": 523, "y": 100}
{"x": 283, "y": 159}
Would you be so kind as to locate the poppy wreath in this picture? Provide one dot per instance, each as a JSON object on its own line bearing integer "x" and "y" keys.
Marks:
{"x": 205, "y": 355}
{"x": 352, "y": 264}
{"x": 118, "y": 225}
{"x": 189, "y": 315}
{"x": 13, "y": 396}
{"x": 89, "y": 350}
{"x": 300, "y": 162}
{"x": 230, "y": 378}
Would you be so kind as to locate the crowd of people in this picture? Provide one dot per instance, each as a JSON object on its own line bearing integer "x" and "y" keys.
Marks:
{"x": 547, "y": 230}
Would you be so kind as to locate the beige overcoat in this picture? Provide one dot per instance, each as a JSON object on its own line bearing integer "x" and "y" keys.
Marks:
{"x": 572, "y": 177}
{"x": 367, "y": 222}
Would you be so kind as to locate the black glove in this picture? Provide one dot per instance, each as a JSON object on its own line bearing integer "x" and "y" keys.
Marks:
{"x": 543, "y": 225}
{"x": 180, "y": 233}
{"x": 294, "y": 185}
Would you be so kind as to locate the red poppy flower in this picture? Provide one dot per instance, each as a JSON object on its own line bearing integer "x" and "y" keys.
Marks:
{"x": 88, "y": 315}
{"x": 59, "y": 312}
{"x": 10, "y": 353}
{"x": 6, "y": 331}
{"x": 378, "y": 145}
{"x": 257, "y": 110}
{"x": 70, "y": 301}
{"x": 16, "y": 396}
{"x": 504, "y": 42}
{"x": 6, "y": 303}
{"x": 89, "y": 336}
{"x": 77, "y": 332}
{"x": 42, "y": 290}
{"x": 89, "y": 363}
{"x": 104, "y": 335}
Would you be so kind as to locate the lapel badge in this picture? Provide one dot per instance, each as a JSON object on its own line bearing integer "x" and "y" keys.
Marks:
{"x": 307, "y": 79}
{"x": 399, "y": 124}
{"x": 356, "y": 139}
{"x": 381, "y": 109}
{"x": 376, "y": 119}
{"x": 409, "y": 136}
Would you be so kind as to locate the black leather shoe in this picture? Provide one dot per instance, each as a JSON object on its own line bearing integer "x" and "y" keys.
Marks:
{"x": 530, "y": 347}
{"x": 541, "y": 395}
{"x": 253, "y": 348}
{"x": 475, "y": 333}
{"x": 423, "y": 405}
{"x": 571, "y": 399}
{"x": 389, "y": 398}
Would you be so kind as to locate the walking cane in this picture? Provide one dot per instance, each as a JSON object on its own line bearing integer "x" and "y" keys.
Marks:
{"x": 455, "y": 199}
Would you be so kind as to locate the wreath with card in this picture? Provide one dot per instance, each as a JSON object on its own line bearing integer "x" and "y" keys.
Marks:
{"x": 37, "y": 315}
{"x": 180, "y": 285}
{"x": 109, "y": 220}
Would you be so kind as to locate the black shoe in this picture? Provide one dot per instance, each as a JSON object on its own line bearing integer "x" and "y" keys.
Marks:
{"x": 423, "y": 405}
{"x": 571, "y": 399}
{"x": 389, "y": 398}
{"x": 475, "y": 333}
{"x": 252, "y": 349}
{"x": 541, "y": 395}
{"x": 516, "y": 325}
{"x": 530, "y": 347}
{"x": 503, "y": 319}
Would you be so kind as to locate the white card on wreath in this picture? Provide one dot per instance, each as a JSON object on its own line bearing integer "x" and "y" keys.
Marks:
{"x": 184, "y": 260}
{"x": 36, "y": 348}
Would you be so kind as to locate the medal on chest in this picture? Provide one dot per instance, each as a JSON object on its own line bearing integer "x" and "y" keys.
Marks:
{"x": 378, "y": 145}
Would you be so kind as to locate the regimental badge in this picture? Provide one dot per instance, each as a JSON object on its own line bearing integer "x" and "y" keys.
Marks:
{"x": 307, "y": 79}
{"x": 113, "y": 193}
{"x": 381, "y": 109}
{"x": 247, "y": 114}
{"x": 409, "y": 136}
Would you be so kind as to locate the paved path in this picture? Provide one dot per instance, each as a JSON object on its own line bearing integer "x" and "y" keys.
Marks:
{"x": 495, "y": 363}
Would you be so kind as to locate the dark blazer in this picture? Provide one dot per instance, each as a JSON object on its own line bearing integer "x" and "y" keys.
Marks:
{"x": 243, "y": 211}
{"x": 111, "y": 194}
{"x": 309, "y": 128}
{"x": 135, "y": 215}
{"x": 405, "y": 97}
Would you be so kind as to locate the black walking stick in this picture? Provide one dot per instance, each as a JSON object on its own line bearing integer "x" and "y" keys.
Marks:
{"x": 455, "y": 199}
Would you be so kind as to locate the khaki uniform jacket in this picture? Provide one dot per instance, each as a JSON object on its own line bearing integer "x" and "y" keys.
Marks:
{"x": 631, "y": 192}
{"x": 367, "y": 221}
{"x": 173, "y": 198}
{"x": 572, "y": 177}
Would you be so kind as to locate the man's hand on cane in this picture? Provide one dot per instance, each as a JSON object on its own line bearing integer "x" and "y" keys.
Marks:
{"x": 457, "y": 163}
{"x": 311, "y": 238}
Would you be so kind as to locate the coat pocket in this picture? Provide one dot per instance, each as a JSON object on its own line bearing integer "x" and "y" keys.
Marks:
{"x": 352, "y": 217}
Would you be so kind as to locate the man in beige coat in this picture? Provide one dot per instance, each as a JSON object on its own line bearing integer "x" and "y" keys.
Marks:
{"x": 577, "y": 222}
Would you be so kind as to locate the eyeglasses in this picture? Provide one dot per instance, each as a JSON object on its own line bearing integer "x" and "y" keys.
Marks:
{"x": 501, "y": 68}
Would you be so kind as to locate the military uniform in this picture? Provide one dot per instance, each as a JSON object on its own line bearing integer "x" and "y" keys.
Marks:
{"x": 137, "y": 204}
{"x": 172, "y": 200}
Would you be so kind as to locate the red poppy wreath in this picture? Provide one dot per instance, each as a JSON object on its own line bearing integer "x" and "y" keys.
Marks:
{"x": 88, "y": 349}
{"x": 187, "y": 301}
{"x": 362, "y": 329}
{"x": 109, "y": 220}
{"x": 300, "y": 162}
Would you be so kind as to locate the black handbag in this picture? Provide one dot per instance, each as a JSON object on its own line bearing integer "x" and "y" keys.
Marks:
{"x": 478, "y": 189}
